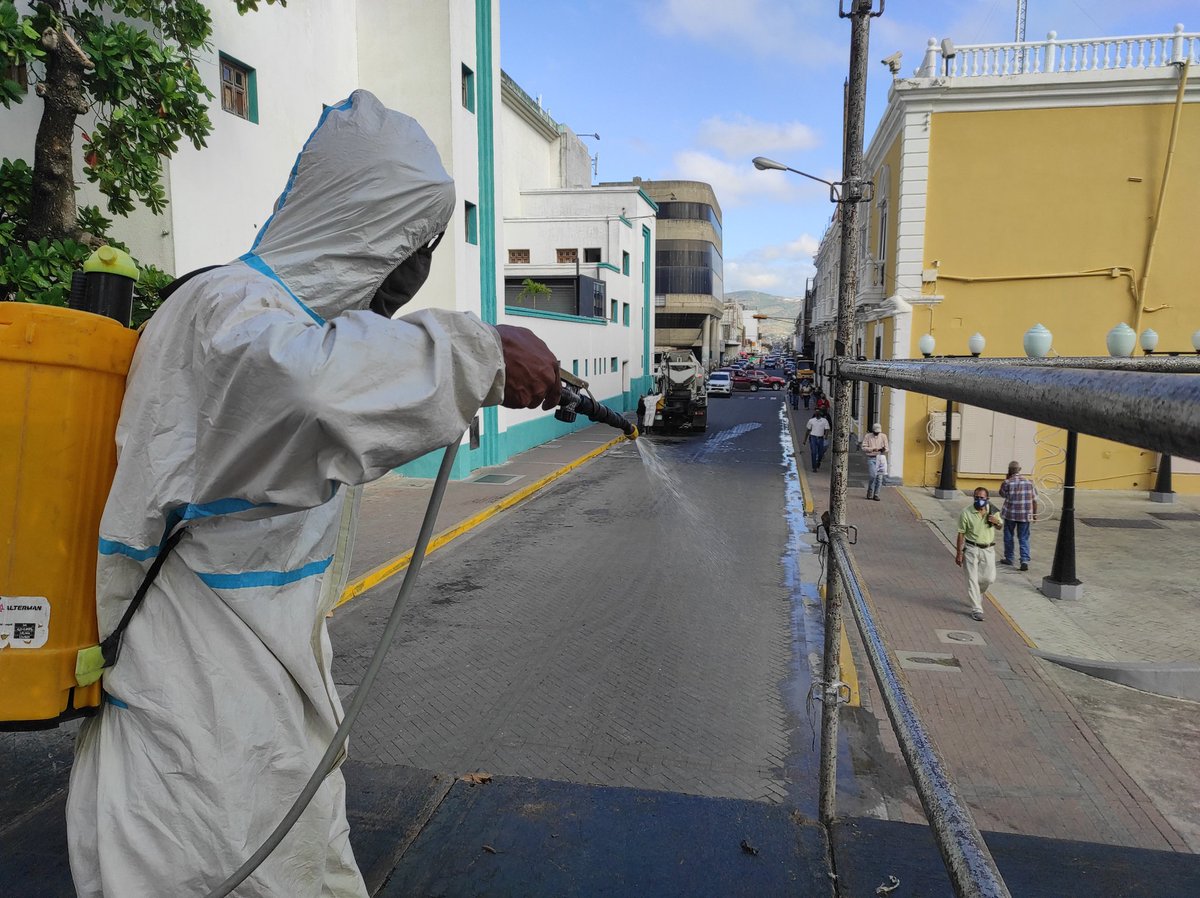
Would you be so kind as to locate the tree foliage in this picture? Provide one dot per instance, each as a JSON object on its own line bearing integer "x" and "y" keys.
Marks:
{"x": 133, "y": 68}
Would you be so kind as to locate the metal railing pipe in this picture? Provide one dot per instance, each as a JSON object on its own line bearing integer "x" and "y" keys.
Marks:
{"x": 1160, "y": 412}
{"x": 1155, "y": 364}
{"x": 973, "y": 872}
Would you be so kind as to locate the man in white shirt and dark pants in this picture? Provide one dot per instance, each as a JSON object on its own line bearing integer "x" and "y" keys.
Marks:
{"x": 816, "y": 435}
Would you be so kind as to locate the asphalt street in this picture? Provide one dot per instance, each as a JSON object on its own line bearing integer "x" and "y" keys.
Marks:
{"x": 631, "y": 625}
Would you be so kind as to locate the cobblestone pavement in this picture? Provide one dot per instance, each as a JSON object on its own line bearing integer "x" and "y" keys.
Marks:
{"x": 1022, "y": 754}
{"x": 620, "y": 629}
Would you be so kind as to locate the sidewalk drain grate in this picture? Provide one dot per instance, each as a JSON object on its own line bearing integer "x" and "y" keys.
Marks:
{"x": 1122, "y": 523}
{"x": 1175, "y": 515}
{"x": 962, "y": 637}
{"x": 929, "y": 661}
{"x": 497, "y": 478}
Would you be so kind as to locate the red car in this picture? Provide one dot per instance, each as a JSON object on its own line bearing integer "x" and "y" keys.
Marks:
{"x": 754, "y": 381}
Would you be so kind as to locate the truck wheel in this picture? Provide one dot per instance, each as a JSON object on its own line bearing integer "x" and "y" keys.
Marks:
{"x": 753, "y": 388}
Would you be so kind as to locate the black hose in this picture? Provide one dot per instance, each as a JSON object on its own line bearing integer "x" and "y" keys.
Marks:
{"x": 594, "y": 411}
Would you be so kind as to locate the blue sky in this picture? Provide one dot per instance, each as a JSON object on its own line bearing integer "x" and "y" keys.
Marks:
{"x": 694, "y": 89}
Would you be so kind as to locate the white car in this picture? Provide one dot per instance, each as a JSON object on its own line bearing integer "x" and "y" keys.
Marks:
{"x": 720, "y": 384}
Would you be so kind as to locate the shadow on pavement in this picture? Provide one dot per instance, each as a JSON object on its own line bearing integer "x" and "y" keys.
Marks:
{"x": 867, "y": 851}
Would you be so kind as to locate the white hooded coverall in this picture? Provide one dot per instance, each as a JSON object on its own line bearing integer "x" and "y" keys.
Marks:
{"x": 260, "y": 395}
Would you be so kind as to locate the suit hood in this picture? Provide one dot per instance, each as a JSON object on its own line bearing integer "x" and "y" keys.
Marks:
{"x": 367, "y": 189}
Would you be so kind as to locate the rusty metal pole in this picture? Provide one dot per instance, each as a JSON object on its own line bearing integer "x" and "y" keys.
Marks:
{"x": 852, "y": 192}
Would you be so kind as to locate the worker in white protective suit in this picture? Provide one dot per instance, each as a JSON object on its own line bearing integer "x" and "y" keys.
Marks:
{"x": 262, "y": 393}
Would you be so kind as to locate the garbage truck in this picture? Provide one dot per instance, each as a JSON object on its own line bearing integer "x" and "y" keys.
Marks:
{"x": 683, "y": 397}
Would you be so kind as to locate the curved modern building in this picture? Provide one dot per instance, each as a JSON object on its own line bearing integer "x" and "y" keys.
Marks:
{"x": 689, "y": 292}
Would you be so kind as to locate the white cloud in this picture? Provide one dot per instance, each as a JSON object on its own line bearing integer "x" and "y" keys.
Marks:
{"x": 739, "y": 182}
{"x": 781, "y": 268}
{"x": 795, "y": 30}
{"x": 744, "y": 137}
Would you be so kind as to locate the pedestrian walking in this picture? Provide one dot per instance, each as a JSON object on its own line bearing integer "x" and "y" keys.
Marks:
{"x": 821, "y": 401}
{"x": 875, "y": 446}
{"x": 816, "y": 436}
{"x": 1020, "y": 510}
{"x": 806, "y": 390}
{"x": 879, "y": 475}
{"x": 975, "y": 552}
{"x": 794, "y": 393}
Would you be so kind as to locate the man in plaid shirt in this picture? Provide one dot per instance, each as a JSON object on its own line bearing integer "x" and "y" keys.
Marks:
{"x": 1020, "y": 509}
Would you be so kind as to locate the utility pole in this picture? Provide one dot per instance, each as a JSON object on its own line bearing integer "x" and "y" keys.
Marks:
{"x": 1020, "y": 35}
{"x": 853, "y": 191}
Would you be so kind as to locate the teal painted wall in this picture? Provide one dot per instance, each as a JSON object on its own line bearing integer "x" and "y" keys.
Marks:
{"x": 490, "y": 450}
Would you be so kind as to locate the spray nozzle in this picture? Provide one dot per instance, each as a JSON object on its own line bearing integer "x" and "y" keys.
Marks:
{"x": 576, "y": 400}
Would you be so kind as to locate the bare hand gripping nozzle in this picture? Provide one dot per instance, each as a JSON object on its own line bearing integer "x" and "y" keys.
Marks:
{"x": 577, "y": 400}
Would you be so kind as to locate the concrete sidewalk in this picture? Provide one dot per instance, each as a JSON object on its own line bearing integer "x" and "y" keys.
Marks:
{"x": 1031, "y": 746}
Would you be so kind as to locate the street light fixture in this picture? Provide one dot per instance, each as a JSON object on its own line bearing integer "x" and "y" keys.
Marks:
{"x": 762, "y": 163}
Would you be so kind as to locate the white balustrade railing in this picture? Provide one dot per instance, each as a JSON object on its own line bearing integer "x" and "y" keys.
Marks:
{"x": 1145, "y": 51}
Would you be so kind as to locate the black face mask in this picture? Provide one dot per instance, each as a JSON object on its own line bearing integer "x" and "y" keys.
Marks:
{"x": 399, "y": 287}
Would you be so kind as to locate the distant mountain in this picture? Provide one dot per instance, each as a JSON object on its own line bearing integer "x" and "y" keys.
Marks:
{"x": 769, "y": 304}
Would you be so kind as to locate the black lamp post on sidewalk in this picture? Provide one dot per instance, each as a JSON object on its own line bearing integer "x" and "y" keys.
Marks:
{"x": 946, "y": 488}
{"x": 1163, "y": 490}
{"x": 1062, "y": 582}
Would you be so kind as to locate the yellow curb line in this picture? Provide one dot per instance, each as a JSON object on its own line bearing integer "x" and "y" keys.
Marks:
{"x": 389, "y": 569}
{"x": 804, "y": 487}
{"x": 846, "y": 669}
{"x": 999, "y": 608}
{"x": 805, "y": 490}
{"x": 1012, "y": 623}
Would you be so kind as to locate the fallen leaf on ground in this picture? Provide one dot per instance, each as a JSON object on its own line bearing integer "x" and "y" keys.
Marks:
{"x": 476, "y": 779}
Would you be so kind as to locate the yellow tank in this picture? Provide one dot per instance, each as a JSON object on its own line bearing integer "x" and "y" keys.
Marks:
{"x": 62, "y": 377}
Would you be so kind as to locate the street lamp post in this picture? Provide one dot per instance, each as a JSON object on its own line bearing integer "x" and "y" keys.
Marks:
{"x": 946, "y": 488}
{"x": 852, "y": 190}
{"x": 1163, "y": 490}
{"x": 1062, "y": 582}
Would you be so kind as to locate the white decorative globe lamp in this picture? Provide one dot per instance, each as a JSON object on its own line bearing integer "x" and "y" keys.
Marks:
{"x": 1121, "y": 340}
{"x": 1148, "y": 340}
{"x": 976, "y": 344}
{"x": 1037, "y": 342}
{"x": 926, "y": 344}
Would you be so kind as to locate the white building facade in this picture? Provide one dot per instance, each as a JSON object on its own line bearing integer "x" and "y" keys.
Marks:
{"x": 438, "y": 62}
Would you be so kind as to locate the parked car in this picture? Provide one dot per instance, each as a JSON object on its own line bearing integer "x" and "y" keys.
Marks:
{"x": 720, "y": 383}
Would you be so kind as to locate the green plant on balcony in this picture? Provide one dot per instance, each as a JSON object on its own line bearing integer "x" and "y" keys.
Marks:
{"x": 531, "y": 291}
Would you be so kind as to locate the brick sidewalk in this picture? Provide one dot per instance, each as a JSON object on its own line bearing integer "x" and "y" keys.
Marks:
{"x": 1020, "y": 752}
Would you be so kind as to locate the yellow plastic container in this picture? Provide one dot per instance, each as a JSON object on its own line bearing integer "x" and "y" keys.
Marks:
{"x": 62, "y": 378}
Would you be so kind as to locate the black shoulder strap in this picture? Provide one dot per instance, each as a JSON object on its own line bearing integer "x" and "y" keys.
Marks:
{"x": 165, "y": 292}
{"x": 110, "y": 647}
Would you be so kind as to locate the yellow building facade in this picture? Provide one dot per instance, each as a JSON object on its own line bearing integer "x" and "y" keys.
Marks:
{"x": 1005, "y": 200}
